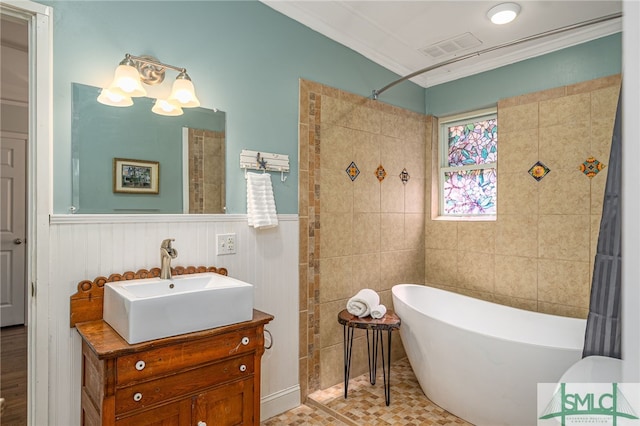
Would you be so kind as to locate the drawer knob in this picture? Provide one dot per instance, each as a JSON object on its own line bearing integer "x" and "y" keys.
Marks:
{"x": 245, "y": 341}
{"x": 201, "y": 423}
{"x": 140, "y": 365}
{"x": 243, "y": 368}
{"x": 137, "y": 396}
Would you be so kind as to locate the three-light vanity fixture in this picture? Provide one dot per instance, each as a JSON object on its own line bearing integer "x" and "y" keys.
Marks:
{"x": 135, "y": 70}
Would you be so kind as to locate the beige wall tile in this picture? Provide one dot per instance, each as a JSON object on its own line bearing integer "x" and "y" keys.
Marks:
{"x": 596, "y": 84}
{"x": 366, "y": 272}
{"x": 533, "y": 97}
{"x": 564, "y": 192}
{"x": 337, "y": 150}
{"x": 517, "y": 235}
{"x": 414, "y": 159}
{"x": 563, "y": 310}
{"x": 565, "y": 110}
{"x": 518, "y": 118}
{"x": 413, "y": 231}
{"x": 366, "y": 151}
{"x": 336, "y": 273}
{"x": 330, "y": 329}
{"x": 517, "y": 277}
{"x": 335, "y": 111}
{"x": 341, "y": 189}
{"x": 565, "y": 146}
{"x": 364, "y": 118}
{"x": 517, "y": 193}
{"x": 391, "y": 195}
{"x": 516, "y": 302}
{"x": 563, "y": 282}
{"x": 392, "y": 231}
{"x": 441, "y": 267}
{"x": 517, "y": 150}
{"x": 476, "y": 271}
{"x": 477, "y": 236}
{"x": 332, "y": 361}
{"x": 601, "y": 136}
{"x": 392, "y": 156}
{"x": 414, "y": 194}
{"x": 440, "y": 234}
{"x": 366, "y": 194}
{"x": 604, "y": 103}
{"x": 564, "y": 237}
{"x": 366, "y": 233}
{"x": 337, "y": 234}
{"x": 397, "y": 267}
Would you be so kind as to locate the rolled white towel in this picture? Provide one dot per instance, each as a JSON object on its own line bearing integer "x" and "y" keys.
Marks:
{"x": 360, "y": 305}
{"x": 378, "y": 312}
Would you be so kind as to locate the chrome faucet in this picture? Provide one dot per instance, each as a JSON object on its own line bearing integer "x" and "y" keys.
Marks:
{"x": 166, "y": 254}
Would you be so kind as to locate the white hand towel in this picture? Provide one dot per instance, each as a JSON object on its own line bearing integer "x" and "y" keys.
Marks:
{"x": 261, "y": 205}
{"x": 360, "y": 305}
{"x": 378, "y": 312}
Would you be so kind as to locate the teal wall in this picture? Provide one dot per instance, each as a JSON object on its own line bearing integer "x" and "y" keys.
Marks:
{"x": 598, "y": 58}
{"x": 247, "y": 59}
{"x": 243, "y": 57}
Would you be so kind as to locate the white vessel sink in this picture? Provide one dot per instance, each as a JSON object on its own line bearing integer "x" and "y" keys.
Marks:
{"x": 152, "y": 308}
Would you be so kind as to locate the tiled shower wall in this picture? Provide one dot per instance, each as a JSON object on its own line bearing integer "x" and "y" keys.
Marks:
{"x": 538, "y": 254}
{"x": 206, "y": 171}
{"x": 354, "y": 234}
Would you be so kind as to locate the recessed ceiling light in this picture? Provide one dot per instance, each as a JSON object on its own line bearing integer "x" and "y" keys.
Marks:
{"x": 503, "y": 13}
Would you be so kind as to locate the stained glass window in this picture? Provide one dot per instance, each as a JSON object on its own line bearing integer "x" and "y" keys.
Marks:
{"x": 468, "y": 175}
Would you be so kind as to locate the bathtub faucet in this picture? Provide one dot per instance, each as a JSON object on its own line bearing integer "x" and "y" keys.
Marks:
{"x": 166, "y": 254}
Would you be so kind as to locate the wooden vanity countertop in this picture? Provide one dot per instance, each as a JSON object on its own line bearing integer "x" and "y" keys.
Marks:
{"x": 107, "y": 343}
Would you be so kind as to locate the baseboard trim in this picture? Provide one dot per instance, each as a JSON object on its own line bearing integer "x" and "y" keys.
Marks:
{"x": 279, "y": 402}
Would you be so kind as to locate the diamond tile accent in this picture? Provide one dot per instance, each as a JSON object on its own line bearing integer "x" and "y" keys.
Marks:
{"x": 591, "y": 167}
{"x": 538, "y": 171}
{"x": 404, "y": 176}
{"x": 353, "y": 171}
{"x": 381, "y": 173}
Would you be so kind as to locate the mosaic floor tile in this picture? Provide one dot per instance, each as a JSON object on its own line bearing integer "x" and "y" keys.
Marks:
{"x": 353, "y": 171}
{"x": 538, "y": 171}
{"x": 365, "y": 404}
{"x": 591, "y": 167}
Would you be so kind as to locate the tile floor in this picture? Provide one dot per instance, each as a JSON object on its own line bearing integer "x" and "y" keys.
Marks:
{"x": 365, "y": 404}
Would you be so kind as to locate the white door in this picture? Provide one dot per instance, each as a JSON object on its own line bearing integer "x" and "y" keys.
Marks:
{"x": 13, "y": 174}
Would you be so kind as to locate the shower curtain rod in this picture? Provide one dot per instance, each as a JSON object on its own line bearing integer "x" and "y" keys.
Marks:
{"x": 378, "y": 92}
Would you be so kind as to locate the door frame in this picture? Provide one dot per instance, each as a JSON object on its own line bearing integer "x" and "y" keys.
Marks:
{"x": 39, "y": 201}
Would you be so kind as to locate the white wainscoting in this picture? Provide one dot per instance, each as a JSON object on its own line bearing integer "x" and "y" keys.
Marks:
{"x": 88, "y": 246}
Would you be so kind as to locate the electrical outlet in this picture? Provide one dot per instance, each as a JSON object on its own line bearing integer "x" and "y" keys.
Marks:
{"x": 226, "y": 244}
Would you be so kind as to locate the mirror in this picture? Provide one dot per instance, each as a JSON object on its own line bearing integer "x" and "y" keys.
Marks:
{"x": 189, "y": 151}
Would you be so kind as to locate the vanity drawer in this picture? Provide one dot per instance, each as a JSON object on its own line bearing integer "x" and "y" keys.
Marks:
{"x": 157, "y": 362}
{"x": 160, "y": 391}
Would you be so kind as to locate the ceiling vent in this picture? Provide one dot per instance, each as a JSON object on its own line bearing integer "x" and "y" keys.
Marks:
{"x": 451, "y": 46}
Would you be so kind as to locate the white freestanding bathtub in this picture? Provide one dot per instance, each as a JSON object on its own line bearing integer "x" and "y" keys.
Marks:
{"x": 482, "y": 361}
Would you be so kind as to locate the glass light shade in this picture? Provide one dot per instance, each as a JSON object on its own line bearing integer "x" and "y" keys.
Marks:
{"x": 163, "y": 107}
{"x": 107, "y": 97}
{"x": 126, "y": 81}
{"x": 183, "y": 94}
{"x": 503, "y": 13}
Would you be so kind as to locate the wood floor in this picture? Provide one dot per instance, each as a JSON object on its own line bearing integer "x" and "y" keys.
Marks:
{"x": 13, "y": 374}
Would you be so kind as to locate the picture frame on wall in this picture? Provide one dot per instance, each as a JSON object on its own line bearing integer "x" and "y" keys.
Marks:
{"x": 135, "y": 176}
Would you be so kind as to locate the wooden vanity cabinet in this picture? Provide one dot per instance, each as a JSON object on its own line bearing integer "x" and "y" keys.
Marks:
{"x": 205, "y": 378}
